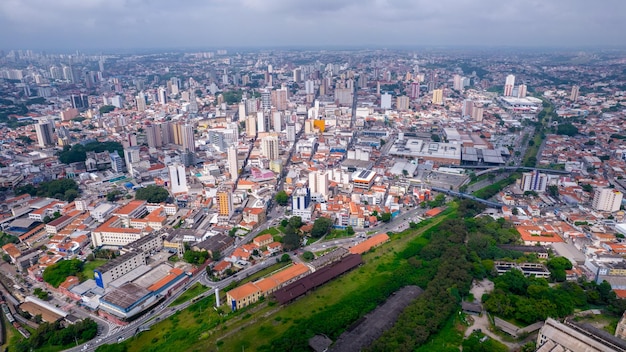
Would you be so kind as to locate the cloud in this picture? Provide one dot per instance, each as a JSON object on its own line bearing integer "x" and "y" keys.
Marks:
{"x": 107, "y": 24}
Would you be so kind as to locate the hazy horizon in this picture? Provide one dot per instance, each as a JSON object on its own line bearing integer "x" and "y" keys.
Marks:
{"x": 126, "y": 25}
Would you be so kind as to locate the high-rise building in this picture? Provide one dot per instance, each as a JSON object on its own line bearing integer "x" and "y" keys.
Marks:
{"x": 233, "y": 163}
{"x": 117, "y": 163}
{"x": 319, "y": 182}
{"x": 309, "y": 87}
{"x": 269, "y": 147}
{"x": 297, "y": 75}
{"x": 385, "y": 101}
{"x": 225, "y": 204}
{"x": 415, "y": 90}
{"x": 522, "y": 90}
{"x": 252, "y": 106}
{"x": 343, "y": 96}
{"x": 509, "y": 84}
{"x": 154, "y": 136}
{"x": 301, "y": 204}
{"x": 277, "y": 121}
{"x": 291, "y": 132}
{"x": 262, "y": 122}
{"x": 574, "y": 95}
{"x": 45, "y": 130}
{"x": 242, "y": 111}
{"x": 477, "y": 113}
{"x": 466, "y": 108}
{"x": 402, "y": 103}
{"x": 266, "y": 99}
{"x": 251, "y": 126}
{"x": 534, "y": 181}
{"x": 457, "y": 83}
{"x": 141, "y": 101}
{"x": 166, "y": 133}
{"x": 279, "y": 99}
{"x": 607, "y": 199}
{"x": 162, "y": 95}
{"x": 178, "y": 179}
{"x": 437, "y": 97}
{"x": 188, "y": 139}
{"x": 177, "y": 133}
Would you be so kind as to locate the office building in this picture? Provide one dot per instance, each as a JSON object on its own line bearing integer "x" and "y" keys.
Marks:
{"x": 131, "y": 156}
{"x": 269, "y": 147}
{"x": 437, "y": 97}
{"x": 262, "y": 123}
{"x": 509, "y": 84}
{"x": 188, "y": 139}
{"x": 402, "y": 103}
{"x": 117, "y": 163}
{"x": 574, "y": 94}
{"x": 279, "y": 99}
{"x": 607, "y": 199}
{"x": 45, "y": 130}
{"x": 297, "y": 75}
{"x": 266, "y": 99}
{"x": 385, "y": 101}
{"x": 178, "y": 179}
{"x": 309, "y": 87}
{"x": 534, "y": 181}
{"x": 301, "y": 204}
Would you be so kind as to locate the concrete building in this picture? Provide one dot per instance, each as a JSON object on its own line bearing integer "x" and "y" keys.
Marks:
{"x": 363, "y": 179}
{"x": 269, "y": 147}
{"x": 45, "y": 131}
{"x": 117, "y": 267}
{"x": 574, "y": 94}
{"x": 402, "y": 103}
{"x": 178, "y": 179}
{"x": 607, "y": 199}
{"x": 233, "y": 163}
{"x": 385, "y": 101}
{"x": 319, "y": 182}
{"x": 568, "y": 336}
{"x": 534, "y": 181}
{"x": 509, "y": 84}
{"x": 225, "y": 204}
{"x": 188, "y": 139}
{"x": 301, "y": 204}
{"x": 437, "y": 97}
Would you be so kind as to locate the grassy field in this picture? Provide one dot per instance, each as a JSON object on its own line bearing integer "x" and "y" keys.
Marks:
{"x": 192, "y": 292}
{"x": 272, "y": 231}
{"x": 10, "y": 333}
{"x": 89, "y": 267}
{"x": 202, "y": 328}
{"x": 334, "y": 234}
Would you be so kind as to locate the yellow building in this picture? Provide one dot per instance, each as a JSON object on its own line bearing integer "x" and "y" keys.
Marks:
{"x": 224, "y": 203}
{"x": 438, "y": 96}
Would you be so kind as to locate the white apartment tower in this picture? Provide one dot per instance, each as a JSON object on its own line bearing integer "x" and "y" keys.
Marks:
{"x": 318, "y": 183}
{"x": 233, "y": 166}
{"x": 509, "y": 84}
{"x": 607, "y": 199}
{"x": 269, "y": 147}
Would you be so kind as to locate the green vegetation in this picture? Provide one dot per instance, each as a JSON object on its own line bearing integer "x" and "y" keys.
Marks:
{"x": 55, "y": 274}
{"x": 56, "y": 337}
{"x": 233, "y": 96}
{"x": 308, "y": 256}
{"x": 557, "y": 267}
{"x": 474, "y": 343}
{"x": 63, "y": 189}
{"x": 78, "y": 152}
{"x": 321, "y": 227}
{"x": 281, "y": 198}
{"x": 90, "y": 266}
{"x": 265, "y": 272}
{"x": 567, "y": 129}
{"x": 529, "y": 300}
{"x": 195, "y": 257}
{"x": 493, "y": 189}
{"x": 106, "y": 109}
{"x": 194, "y": 291}
{"x": 271, "y": 230}
{"x": 6, "y": 238}
{"x": 41, "y": 294}
{"x": 448, "y": 339}
{"x": 152, "y": 194}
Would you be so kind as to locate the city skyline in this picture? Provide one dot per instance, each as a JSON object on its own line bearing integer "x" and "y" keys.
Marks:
{"x": 35, "y": 24}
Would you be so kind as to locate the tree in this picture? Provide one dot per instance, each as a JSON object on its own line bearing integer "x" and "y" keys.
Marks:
{"x": 284, "y": 222}
{"x": 113, "y": 195}
{"x": 55, "y": 274}
{"x": 285, "y": 258}
{"x": 553, "y": 191}
{"x": 282, "y": 198}
{"x": 435, "y": 137}
{"x": 385, "y": 217}
{"x": 321, "y": 227}
{"x": 152, "y": 194}
{"x": 216, "y": 255}
{"x": 295, "y": 222}
{"x": 557, "y": 267}
{"x": 41, "y": 294}
{"x": 308, "y": 256}
{"x": 106, "y": 109}
{"x": 349, "y": 230}
{"x": 291, "y": 240}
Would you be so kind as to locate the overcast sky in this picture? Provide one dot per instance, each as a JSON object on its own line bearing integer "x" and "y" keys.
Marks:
{"x": 123, "y": 24}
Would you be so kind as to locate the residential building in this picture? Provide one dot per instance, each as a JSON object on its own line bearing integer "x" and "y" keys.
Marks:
{"x": 509, "y": 84}
{"x": 607, "y": 199}
{"x": 534, "y": 181}
{"x": 437, "y": 97}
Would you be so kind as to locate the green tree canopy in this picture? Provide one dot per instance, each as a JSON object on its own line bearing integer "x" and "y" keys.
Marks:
{"x": 321, "y": 227}
{"x": 567, "y": 129}
{"x": 152, "y": 194}
{"x": 106, "y": 109}
{"x": 282, "y": 198}
{"x": 55, "y": 274}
